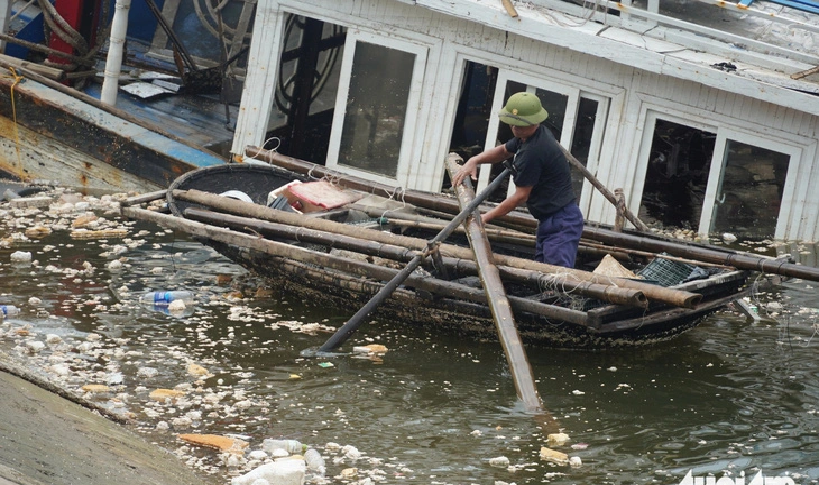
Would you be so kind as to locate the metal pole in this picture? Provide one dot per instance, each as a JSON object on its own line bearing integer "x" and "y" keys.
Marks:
{"x": 113, "y": 63}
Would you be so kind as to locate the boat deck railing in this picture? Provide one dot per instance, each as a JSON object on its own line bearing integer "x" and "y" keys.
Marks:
{"x": 780, "y": 30}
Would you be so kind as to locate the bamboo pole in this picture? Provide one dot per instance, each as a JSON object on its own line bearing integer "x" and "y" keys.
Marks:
{"x": 515, "y": 237}
{"x": 427, "y": 200}
{"x": 510, "y": 8}
{"x": 340, "y": 263}
{"x": 49, "y": 72}
{"x": 609, "y": 293}
{"x": 725, "y": 257}
{"x": 620, "y": 219}
{"x": 500, "y": 235}
{"x": 653, "y": 292}
{"x": 805, "y": 73}
{"x": 496, "y": 296}
{"x": 146, "y": 197}
{"x": 424, "y": 199}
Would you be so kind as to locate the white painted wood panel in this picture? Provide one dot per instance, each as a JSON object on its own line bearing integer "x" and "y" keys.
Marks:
{"x": 603, "y": 67}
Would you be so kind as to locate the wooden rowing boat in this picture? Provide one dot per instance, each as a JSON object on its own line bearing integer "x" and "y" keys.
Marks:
{"x": 341, "y": 255}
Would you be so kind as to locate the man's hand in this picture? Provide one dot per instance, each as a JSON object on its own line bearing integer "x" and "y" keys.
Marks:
{"x": 469, "y": 168}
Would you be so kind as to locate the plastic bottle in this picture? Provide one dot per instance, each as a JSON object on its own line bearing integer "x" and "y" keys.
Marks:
{"x": 9, "y": 310}
{"x": 164, "y": 298}
{"x": 314, "y": 462}
{"x": 290, "y": 446}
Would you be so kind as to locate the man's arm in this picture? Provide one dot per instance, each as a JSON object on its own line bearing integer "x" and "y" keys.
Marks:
{"x": 518, "y": 198}
{"x": 493, "y": 155}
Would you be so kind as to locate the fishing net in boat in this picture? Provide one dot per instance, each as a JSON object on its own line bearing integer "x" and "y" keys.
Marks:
{"x": 666, "y": 272}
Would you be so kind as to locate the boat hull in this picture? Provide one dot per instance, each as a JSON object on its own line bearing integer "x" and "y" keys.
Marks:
{"x": 317, "y": 271}
{"x": 54, "y": 134}
{"x": 408, "y": 306}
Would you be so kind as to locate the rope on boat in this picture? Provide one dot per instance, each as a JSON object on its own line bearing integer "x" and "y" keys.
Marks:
{"x": 17, "y": 78}
{"x": 66, "y": 33}
{"x": 213, "y": 12}
{"x": 20, "y": 12}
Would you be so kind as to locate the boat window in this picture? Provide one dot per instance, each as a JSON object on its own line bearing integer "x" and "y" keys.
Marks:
{"x": 677, "y": 175}
{"x": 555, "y": 104}
{"x": 201, "y": 27}
{"x": 583, "y": 139}
{"x": 474, "y": 109}
{"x": 750, "y": 190}
{"x": 307, "y": 81}
{"x": 376, "y": 108}
{"x": 574, "y": 120}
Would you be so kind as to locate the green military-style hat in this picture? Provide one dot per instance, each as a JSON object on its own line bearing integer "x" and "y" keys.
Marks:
{"x": 523, "y": 109}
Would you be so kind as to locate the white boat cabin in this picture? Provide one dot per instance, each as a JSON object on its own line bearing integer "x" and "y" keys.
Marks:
{"x": 706, "y": 124}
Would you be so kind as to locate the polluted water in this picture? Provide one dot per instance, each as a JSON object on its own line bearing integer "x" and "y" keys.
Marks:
{"x": 224, "y": 378}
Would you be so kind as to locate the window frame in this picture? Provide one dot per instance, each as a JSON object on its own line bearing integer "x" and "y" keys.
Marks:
{"x": 421, "y": 53}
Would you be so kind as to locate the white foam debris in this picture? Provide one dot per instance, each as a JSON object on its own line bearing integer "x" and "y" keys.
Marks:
{"x": 20, "y": 257}
{"x": 34, "y": 346}
{"x": 499, "y": 461}
{"x": 283, "y": 472}
{"x": 53, "y": 339}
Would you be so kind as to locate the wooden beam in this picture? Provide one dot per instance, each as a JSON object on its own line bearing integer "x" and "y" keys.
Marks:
{"x": 654, "y": 292}
{"x": 496, "y": 296}
{"x": 50, "y": 72}
{"x": 609, "y": 293}
{"x": 289, "y": 251}
{"x": 510, "y": 8}
{"x": 805, "y": 73}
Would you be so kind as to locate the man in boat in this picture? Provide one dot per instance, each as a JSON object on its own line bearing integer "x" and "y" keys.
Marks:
{"x": 542, "y": 180}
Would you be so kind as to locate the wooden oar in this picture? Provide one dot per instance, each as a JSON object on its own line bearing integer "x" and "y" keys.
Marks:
{"x": 496, "y": 297}
{"x": 346, "y": 330}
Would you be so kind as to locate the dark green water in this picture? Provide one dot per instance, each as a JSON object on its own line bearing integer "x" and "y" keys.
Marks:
{"x": 731, "y": 395}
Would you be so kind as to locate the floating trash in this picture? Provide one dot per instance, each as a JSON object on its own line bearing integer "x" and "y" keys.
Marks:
{"x": 165, "y": 298}
{"x": 196, "y": 370}
{"x": 290, "y": 446}
{"x": 553, "y": 456}
{"x": 219, "y": 442}
{"x": 95, "y": 388}
{"x": 9, "y": 310}
{"x": 283, "y": 472}
{"x": 499, "y": 461}
{"x": 20, "y": 257}
{"x": 164, "y": 394}
{"x": 557, "y": 439}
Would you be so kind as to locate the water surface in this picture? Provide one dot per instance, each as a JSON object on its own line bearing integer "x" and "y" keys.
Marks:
{"x": 732, "y": 395}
